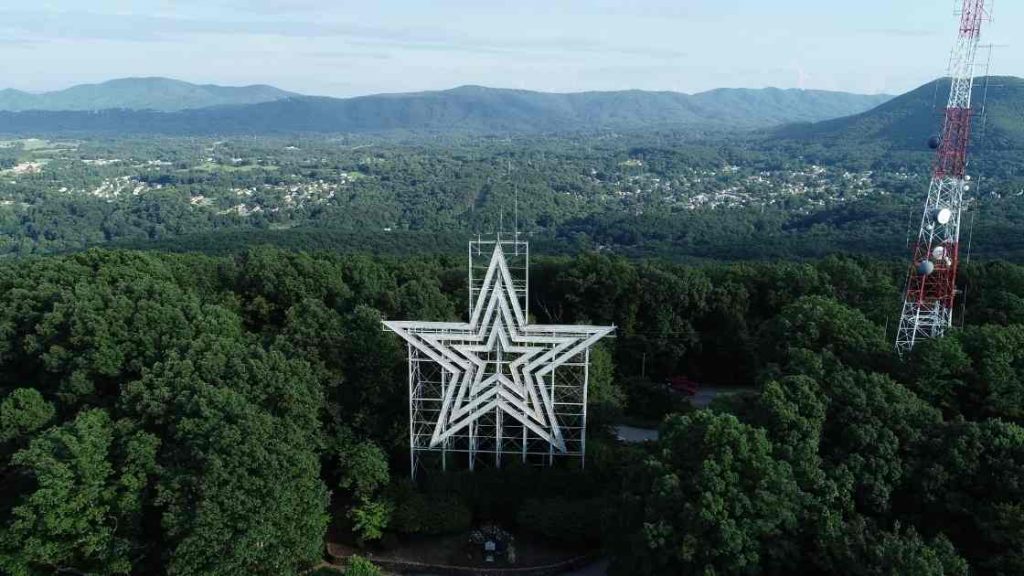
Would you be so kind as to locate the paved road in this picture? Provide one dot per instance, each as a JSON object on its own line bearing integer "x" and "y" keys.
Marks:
{"x": 708, "y": 392}
{"x": 599, "y": 568}
{"x": 635, "y": 435}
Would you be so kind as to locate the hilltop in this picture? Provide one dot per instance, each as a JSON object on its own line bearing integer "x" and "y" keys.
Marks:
{"x": 907, "y": 121}
{"x": 160, "y": 94}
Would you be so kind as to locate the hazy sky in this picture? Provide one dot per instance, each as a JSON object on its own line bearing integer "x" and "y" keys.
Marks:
{"x": 345, "y": 48}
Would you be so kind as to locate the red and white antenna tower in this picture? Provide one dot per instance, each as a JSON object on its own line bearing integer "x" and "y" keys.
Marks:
{"x": 931, "y": 283}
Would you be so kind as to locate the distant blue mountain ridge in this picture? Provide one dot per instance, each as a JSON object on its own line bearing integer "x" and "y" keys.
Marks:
{"x": 162, "y": 105}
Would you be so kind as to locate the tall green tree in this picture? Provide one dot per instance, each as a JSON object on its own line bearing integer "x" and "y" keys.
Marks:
{"x": 711, "y": 500}
{"x": 240, "y": 475}
{"x": 871, "y": 424}
{"x": 818, "y": 323}
{"x": 22, "y": 412}
{"x": 365, "y": 475}
{"x": 865, "y": 549}
{"x": 997, "y": 354}
{"x": 83, "y": 515}
{"x": 967, "y": 479}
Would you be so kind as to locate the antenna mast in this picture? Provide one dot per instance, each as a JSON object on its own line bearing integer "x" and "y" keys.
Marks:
{"x": 931, "y": 282}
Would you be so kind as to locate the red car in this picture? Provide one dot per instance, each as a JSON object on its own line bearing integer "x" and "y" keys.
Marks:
{"x": 683, "y": 385}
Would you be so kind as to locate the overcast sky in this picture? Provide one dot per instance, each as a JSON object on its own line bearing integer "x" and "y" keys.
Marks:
{"x": 347, "y": 48}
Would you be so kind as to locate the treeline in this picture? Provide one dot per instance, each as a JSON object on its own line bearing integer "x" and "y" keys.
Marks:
{"x": 187, "y": 414}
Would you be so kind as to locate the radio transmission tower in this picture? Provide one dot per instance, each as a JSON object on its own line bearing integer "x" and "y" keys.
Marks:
{"x": 931, "y": 282}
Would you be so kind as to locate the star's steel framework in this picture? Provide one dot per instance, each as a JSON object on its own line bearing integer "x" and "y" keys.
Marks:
{"x": 497, "y": 387}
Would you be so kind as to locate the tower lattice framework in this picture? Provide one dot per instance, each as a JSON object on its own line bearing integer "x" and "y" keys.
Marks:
{"x": 931, "y": 281}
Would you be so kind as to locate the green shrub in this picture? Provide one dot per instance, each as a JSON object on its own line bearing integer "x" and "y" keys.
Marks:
{"x": 572, "y": 522}
{"x": 359, "y": 566}
{"x": 418, "y": 513}
{"x": 496, "y": 494}
{"x": 369, "y": 519}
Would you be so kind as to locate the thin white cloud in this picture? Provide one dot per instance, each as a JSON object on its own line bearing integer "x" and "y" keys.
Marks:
{"x": 351, "y": 47}
{"x": 61, "y": 25}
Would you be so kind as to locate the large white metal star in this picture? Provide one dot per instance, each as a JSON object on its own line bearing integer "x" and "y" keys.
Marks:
{"x": 498, "y": 360}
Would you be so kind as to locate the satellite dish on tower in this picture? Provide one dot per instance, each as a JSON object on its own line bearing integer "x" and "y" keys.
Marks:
{"x": 934, "y": 142}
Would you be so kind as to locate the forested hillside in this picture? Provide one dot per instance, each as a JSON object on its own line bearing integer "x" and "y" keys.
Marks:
{"x": 907, "y": 121}
{"x": 162, "y": 94}
{"x": 190, "y": 415}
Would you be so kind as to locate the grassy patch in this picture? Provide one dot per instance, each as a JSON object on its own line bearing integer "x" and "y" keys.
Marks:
{"x": 214, "y": 167}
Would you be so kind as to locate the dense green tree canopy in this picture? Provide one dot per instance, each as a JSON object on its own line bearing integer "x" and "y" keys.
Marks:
{"x": 188, "y": 414}
{"x": 712, "y": 501}
{"x": 84, "y": 513}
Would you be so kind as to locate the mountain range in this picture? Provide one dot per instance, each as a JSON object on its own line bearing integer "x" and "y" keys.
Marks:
{"x": 160, "y": 105}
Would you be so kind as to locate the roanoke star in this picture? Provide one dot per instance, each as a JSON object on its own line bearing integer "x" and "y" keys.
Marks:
{"x": 498, "y": 360}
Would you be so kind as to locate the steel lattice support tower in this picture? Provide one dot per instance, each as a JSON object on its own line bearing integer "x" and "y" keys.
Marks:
{"x": 931, "y": 282}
